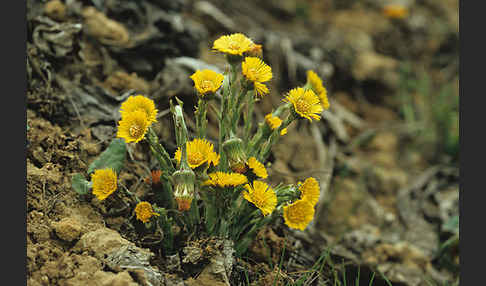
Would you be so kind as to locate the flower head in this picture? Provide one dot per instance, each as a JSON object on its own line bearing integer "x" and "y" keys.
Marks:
{"x": 257, "y": 168}
{"x": 222, "y": 179}
{"x": 144, "y": 211}
{"x": 133, "y": 126}
{"x": 315, "y": 81}
{"x": 310, "y": 191}
{"x": 273, "y": 121}
{"x": 104, "y": 183}
{"x": 234, "y": 44}
{"x": 207, "y": 81}
{"x": 262, "y": 196}
{"x": 305, "y": 102}
{"x": 258, "y": 72}
{"x": 199, "y": 151}
{"x": 395, "y": 11}
{"x": 139, "y": 102}
{"x": 283, "y": 132}
{"x": 299, "y": 214}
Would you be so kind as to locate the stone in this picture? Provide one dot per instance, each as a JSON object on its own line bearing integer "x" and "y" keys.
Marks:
{"x": 68, "y": 229}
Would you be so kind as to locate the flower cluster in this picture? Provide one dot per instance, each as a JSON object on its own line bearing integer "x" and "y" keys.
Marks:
{"x": 137, "y": 114}
{"x": 219, "y": 186}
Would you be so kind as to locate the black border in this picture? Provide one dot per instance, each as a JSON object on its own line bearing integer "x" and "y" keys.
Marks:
{"x": 14, "y": 116}
{"x": 471, "y": 87}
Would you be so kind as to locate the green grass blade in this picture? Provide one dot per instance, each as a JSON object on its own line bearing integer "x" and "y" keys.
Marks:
{"x": 372, "y": 278}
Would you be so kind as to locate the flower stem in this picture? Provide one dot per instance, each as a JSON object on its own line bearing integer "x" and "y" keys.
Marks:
{"x": 159, "y": 151}
{"x": 273, "y": 139}
{"x": 201, "y": 120}
{"x": 249, "y": 115}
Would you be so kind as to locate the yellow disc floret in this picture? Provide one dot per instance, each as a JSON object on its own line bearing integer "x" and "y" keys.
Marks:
{"x": 199, "y": 151}
{"x": 133, "y": 126}
{"x": 222, "y": 179}
{"x": 305, "y": 102}
{"x": 299, "y": 214}
{"x": 104, "y": 183}
{"x": 262, "y": 196}
{"x": 257, "y": 168}
{"x": 207, "y": 81}
{"x": 139, "y": 102}
{"x": 258, "y": 72}
{"x": 310, "y": 191}
{"x": 315, "y": 81}
{"x": 234, "y": 44}
{"x": 144, "y": 211}
{"x": 273, "y": 121}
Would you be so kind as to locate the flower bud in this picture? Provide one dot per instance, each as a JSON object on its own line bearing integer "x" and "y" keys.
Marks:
{"x": 236, "y": 155}
{"x": 184, "y": 188}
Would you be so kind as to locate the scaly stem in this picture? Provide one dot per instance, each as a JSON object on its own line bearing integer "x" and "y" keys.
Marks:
{"x": 224, "y": 119}
{"x": 201, "y": 120}
{"x": 159, "y": 151}
{"x": 249, "y": 116}
{"x": 166, "y": 224}
{"x": 275, "y": 135}
{"x": 263, "y": 132}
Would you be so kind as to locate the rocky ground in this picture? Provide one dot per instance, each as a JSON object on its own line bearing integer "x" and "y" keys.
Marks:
{"x": 385, "y": 154}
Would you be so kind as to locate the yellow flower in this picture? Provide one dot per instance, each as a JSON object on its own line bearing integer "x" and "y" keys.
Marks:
{"x": 222, "y": 179}
{"x": 104, "y": 183}
{"x": 310, "y": 191}
{"x": 144, "y": 211}
{"x": 299, "y": 214}
{"x": 262, "y": 196}
{"x": 395, "y": 11}
{"x": 133, "y": 126}
{"x": 305, "y": 102}
{"x": 207, "y": 81}
{"x": 273, "y": 121}
{"x": 140, "y": 102}
{"x": 257, "y": 168}
{"x": 315, "y": 81}
{"x": 199, "y": 151}
{"x": 256, "y": 71}
{"x": 234, "y": 44}
{"x": 283, "y": 132}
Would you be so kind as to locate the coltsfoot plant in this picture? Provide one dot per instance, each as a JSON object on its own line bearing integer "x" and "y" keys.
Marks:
{"x": 216, "y": 189}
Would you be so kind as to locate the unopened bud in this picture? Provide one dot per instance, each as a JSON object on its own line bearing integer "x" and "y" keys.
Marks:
{"x": 184, "y": 188}
{"x": 236, "y": 155}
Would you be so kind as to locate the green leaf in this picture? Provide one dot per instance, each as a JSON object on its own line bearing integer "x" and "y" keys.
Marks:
{"x": 113, "y": 157}
{"x": 80, "y": 184}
